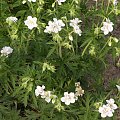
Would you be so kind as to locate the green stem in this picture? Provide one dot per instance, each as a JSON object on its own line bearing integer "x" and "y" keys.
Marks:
{"x": 108, "y": 6}
{"x": 108, "y": 94}
{"x": 76, "y": 44}
{"x": 86, "y": 47}
{"x": 104, "y": 46}
{"x": 96, "y": 4}
{"x": 72, "y": 47}
{"x": 31, "y": 8}
{"x": 60, "y": 50}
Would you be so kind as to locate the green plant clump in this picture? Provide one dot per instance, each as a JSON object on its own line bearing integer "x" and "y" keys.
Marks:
{"x": 52, "y": 59}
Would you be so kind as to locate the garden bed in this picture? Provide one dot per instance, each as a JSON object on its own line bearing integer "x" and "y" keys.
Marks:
{"x": 60, "y": 60}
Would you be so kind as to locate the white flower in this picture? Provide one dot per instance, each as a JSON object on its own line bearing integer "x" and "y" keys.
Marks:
{"x": 32, "y": 0}
{"x": 24, "y": 1}
{"x": 77, "y": 30}
{"x": 55, "y": 26}
{"x": 105, "y": 111}
{"x": 60, "y": 1}
{"x": 6, "y": 51}
{"x": 47, "y": 96}
{"x": 74, "y": 22}
{"x": 118, "y": 87}
{"x": 40, "y": 90}
{"x": 115, "y": 2}
{"x": 107, "y": 27}
{"x": 31, "y": 22}
{"x": 111, "y": 104}
{"x": 68, "y": 98}
{"x": 11, "y": 19}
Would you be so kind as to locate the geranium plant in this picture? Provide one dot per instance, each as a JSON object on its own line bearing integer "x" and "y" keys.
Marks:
{"x": 53, "y": 55}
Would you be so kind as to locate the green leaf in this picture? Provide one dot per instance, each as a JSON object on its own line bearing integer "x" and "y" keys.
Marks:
{"x": 20, "y": 13}
{"x": 51, "y": 51}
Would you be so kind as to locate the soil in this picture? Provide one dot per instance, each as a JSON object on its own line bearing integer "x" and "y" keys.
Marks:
{"x": 112, "y": 71}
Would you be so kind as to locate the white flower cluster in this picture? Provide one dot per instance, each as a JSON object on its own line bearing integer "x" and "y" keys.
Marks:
{"x": 55, "y": 26}
{"x": 74, "y": 23}
{"x": 67, "y": 99}
{"x": 60, "y": 1}
{"x": 6, "y": 51}
{"x": 11, "y": 20}
{"x": 108, "y": 109}
{"x": 107, "y": 27}
{"x": 47, "y": 95}
{"x": 31, "y": 22}
{"x": 72, "y": 97}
